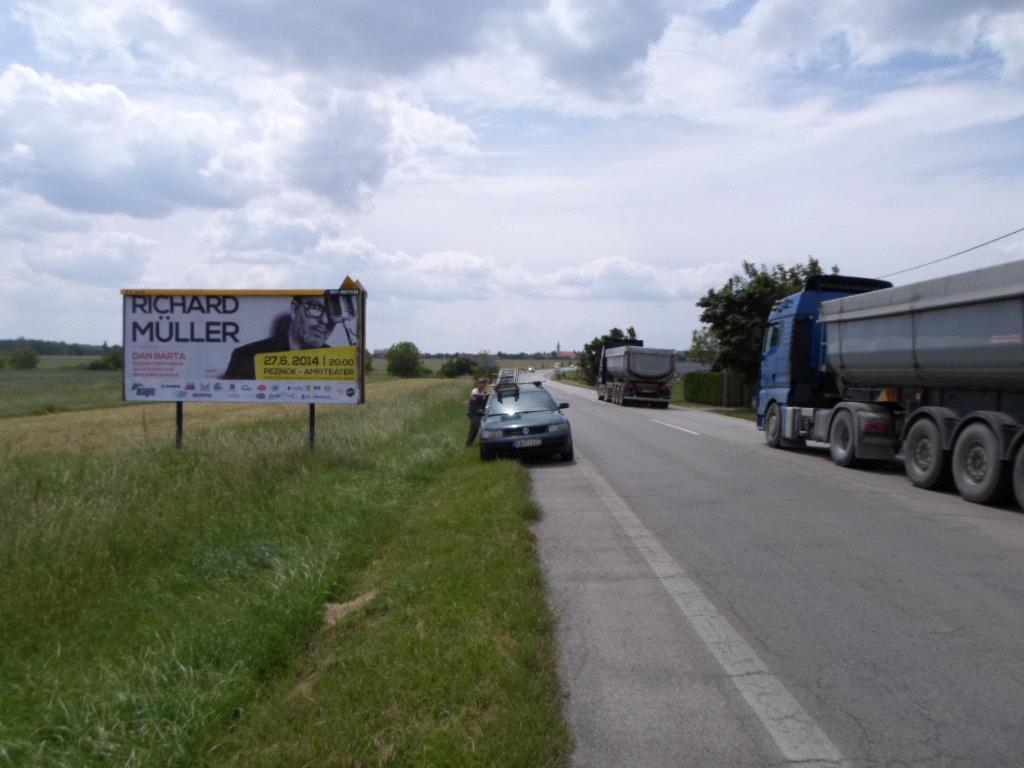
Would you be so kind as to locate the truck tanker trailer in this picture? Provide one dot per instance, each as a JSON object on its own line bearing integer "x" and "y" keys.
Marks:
{"x": 932, "y": 371}
{"x": 632, "y": 373}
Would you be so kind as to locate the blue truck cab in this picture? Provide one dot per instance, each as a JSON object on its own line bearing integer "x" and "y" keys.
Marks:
{"x": 793, "y": 353}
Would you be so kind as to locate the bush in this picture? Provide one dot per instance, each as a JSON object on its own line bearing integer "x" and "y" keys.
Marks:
{"x": 457, "y": 366}
{"x": 404, "y": 361}
{"x": 23, "y": 358}
{"x": 706, "y": 387}
{"x": 111, "y": 361}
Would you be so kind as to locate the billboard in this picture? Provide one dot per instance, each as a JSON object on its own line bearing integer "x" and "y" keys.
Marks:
{"x": 282, "y": 346}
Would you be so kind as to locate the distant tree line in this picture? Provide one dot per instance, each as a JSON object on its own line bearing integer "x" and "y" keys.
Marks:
{"x": 23, "y": 354}
{"x": 53, "y": 347}
{"x": 405, "y": 361}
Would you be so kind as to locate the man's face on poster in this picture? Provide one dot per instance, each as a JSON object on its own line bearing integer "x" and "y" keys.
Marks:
{"x": 311, "y": 325}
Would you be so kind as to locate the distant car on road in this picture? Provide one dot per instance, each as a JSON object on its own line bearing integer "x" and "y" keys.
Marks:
{"x": 524, "y": 420}
{"x": 530, "y": 369}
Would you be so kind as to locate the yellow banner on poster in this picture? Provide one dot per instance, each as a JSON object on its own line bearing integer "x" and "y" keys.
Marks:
{"x": 327, "y": 363}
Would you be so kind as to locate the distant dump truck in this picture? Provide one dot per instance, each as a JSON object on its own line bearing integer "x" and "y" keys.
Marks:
{"x": 931, "y": 370}
{"x": 633, "y": 373}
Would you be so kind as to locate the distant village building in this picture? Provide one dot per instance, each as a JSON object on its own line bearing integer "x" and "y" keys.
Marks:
{"x": 558, "y": 354}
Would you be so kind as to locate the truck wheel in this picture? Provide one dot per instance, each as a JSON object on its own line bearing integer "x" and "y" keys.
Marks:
{"x": 977, "y": 467}
{"x": 923, "y": 457}
{"x": 840, "y": 440}
{"x": 1018, "y": 478}
{"x": 773, "y": 426}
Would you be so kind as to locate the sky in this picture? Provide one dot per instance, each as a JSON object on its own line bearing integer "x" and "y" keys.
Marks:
{"x": 499, "y": 174}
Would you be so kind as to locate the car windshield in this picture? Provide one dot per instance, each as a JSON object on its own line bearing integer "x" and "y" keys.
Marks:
{"x": 529, "y": 400}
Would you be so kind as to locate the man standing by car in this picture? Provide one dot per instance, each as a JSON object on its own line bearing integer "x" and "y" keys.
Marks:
{"x": 475, "y": 410}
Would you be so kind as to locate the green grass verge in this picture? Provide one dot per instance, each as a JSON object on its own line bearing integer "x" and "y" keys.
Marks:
{"x": 166, "y": 607}
{"x": 53, "y": 389}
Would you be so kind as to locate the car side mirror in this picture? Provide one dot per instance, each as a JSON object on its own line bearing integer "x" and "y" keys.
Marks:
{"x": 562, "y": 405}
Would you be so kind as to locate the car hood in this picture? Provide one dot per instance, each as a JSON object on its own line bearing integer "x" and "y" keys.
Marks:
{"x": 534, "y": 419}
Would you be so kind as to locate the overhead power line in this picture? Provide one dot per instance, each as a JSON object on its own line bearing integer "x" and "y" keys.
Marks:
{"x": 958, "y": 253}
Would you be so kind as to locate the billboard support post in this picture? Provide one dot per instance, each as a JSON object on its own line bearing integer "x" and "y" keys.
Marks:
{"x": 312, "y": 426}
{"x": 179, "y": 423}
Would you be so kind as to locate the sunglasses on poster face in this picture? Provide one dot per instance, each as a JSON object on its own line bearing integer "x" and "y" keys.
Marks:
{"x": 316, "y": 311}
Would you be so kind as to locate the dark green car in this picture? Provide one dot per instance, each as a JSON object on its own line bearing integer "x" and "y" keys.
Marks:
{"x": 520, "y": 421}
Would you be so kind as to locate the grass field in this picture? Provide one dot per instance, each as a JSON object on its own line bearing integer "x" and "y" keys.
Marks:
{"x": 59, "y": 383}
{"x": 244, "y": 601}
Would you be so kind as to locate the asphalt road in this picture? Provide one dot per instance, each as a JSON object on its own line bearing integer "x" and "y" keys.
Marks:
{"x": 721, "y": 603}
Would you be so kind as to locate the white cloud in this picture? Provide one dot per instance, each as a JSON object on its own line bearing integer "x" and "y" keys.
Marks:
{"x": 596, "y": 45}
{"x": 113, "y": 258}
{"x": 91, "y": 148}
{"x": 593, "y": 162}
{"x": 344, "y": 154}
{"x": 623, "y": 280}
{"x": 1005, "y": 35}
{"x": 362, "y": 37}
{"x": 798, "y": 34}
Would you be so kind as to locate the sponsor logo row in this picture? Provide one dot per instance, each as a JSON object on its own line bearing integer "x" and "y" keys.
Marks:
{"x": 245, "y": 391}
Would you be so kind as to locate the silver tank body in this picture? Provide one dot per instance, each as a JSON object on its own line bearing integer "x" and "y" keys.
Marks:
{"x": 964, "y": 330}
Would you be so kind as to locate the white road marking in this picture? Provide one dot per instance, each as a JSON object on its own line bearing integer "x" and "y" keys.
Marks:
{"x": 799, "y": 738}
{"x": 673, "y": 426}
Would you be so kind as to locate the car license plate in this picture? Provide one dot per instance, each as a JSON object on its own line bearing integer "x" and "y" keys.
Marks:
{"x": 529, "y": 442}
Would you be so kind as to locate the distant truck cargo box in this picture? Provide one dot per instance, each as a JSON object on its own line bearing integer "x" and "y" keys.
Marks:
{"x": 641, "y": 362}
{"x": 635, "y": 374}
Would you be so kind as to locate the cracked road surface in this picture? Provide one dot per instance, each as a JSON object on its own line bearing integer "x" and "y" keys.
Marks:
{"x": 720, "y": 603}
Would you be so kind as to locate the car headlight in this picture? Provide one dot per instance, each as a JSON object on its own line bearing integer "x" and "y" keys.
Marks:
{"x": 489, "y": 433}
{"x": 558, "y": 428}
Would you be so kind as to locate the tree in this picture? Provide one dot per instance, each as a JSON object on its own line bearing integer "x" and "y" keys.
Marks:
{"x": 703, "y": 347}
{"x": 590, "y": 357}
{"x": 23, "y": 358}
{"x": 736, "y": 312}
{"x": 404, "y": 360}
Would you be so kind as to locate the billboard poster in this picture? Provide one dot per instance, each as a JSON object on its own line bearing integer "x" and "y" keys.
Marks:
{"x": 282, "y": 346}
